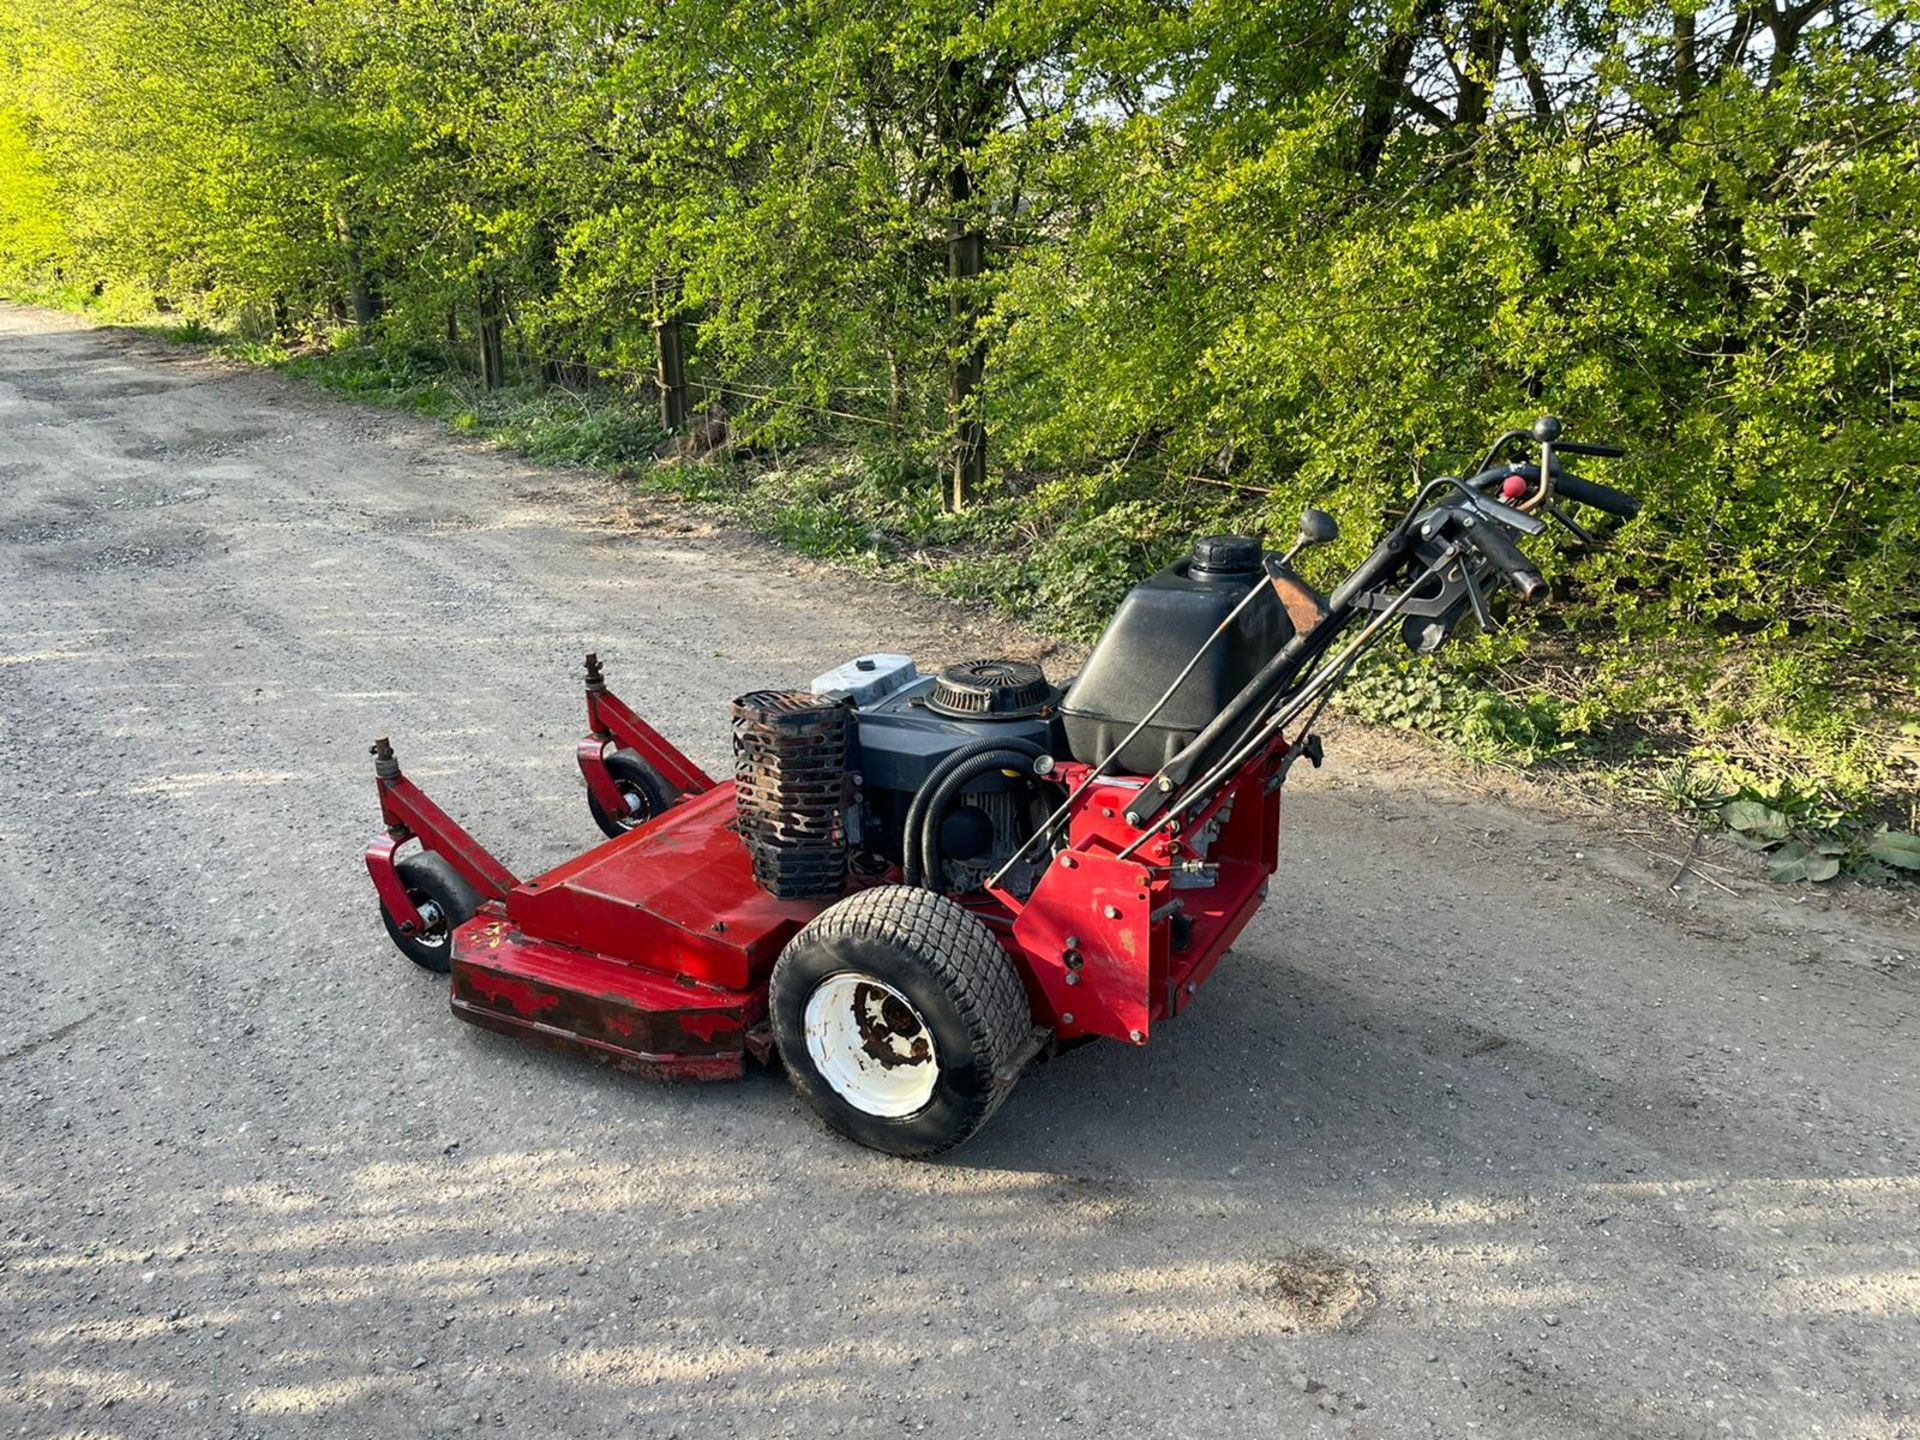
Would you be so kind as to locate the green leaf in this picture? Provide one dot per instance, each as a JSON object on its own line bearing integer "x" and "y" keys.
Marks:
{"x": 1760, "y": 821}
{"x": 1795, "y": 861}
{"x": 1895, "y": 847}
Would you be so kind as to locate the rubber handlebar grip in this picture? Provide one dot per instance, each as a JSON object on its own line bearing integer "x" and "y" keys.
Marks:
{"x": 1491, "y": 541}
{"x": 1599, "y": 452}
{"x": 1600, "y": 497}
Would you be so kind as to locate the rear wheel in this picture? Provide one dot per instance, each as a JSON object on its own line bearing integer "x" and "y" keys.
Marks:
{"x": 896, "y": 1013}
{"x": 642, "y": 787}
{"x": 445, "y": 902}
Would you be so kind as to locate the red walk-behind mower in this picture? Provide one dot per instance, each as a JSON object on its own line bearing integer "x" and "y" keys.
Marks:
{"x": 914, "y": 887}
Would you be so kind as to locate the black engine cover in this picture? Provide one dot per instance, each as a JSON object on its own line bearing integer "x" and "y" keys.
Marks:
{"x": 902, "y": 738}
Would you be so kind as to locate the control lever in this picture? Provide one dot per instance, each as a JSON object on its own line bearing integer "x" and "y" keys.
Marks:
{"x": 1316, "y": 528}
{"x": 1504, "y": 555}
{"x": 1579, "y": 531}
{"x": 1506, "y": 515}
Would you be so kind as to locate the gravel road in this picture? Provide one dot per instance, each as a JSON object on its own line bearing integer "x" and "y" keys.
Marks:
{"x": 1482, "y": 1131}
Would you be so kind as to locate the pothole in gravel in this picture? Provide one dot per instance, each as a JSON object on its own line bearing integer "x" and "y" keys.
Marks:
{"x": 1314, "y": 1292}
{"x": 1094, "y": 1199}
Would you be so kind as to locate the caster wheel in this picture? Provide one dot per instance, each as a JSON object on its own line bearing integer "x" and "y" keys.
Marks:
{"x": 445, "y": 901}
{"x": 646, "y": 794}
{"x": 895, "y": 1012}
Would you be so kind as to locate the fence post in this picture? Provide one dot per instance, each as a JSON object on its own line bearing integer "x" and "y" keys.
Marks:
{"x": 669, "y": 346}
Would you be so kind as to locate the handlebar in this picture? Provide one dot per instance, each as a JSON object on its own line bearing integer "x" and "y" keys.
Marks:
{"x": 1599, "y": 452}
{"x": 1600, "y": 497}
{"x": 1565, "y": 485}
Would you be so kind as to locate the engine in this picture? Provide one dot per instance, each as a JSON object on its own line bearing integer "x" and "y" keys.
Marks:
{"x": 910, "y": 728}
{"x": 944, "y": 775}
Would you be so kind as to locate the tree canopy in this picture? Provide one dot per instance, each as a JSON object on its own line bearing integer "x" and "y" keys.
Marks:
{"x": 1115, "y": 267}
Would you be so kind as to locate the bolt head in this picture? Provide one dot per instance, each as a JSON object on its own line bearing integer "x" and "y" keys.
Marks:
{"x": 1067, "y": 1019}
{"x": 1112, "y": 912}
{"x": 1136, "y": 1037}
{"x": 1073, "y": 977}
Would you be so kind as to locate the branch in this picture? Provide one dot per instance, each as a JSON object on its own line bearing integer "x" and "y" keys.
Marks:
{"x": 1530, "y": 71}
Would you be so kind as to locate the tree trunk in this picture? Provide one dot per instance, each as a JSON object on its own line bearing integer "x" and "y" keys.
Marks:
{"x": 896, "y": 389}
{"x": 365, "y": 299}
{"x": 1482, "y": 66}
{"x": 968, "y": 367}
{"x": 1686, "y": 61}
{"x": 493, "y": 369}
{"x": 670, "y": 374}
{"x": 1389, "y": 84}
{"x": 1537, "y": 90}
{"x": 363, "y": 291}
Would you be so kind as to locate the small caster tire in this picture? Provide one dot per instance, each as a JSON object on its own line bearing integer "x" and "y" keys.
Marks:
{"x": 647, "y": 794}
{"x": 445, "y": 901}
{"x": 898, "y": 1016}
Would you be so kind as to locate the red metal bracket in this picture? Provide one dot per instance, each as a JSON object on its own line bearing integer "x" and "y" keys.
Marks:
{"x": 410, "y": 815}
{"x": 1089, "y": 937}
{"x": 611, "y": 724}
{"x": 591, "y": 753}
{"x": 388, "y": 885}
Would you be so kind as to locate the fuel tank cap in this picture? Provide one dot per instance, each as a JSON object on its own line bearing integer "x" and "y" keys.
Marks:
{"x": 1235, "y": 555}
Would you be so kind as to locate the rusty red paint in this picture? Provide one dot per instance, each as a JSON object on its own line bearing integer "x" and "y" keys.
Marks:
{"x": 388, "y": 885}
{"x": 501, "y": 991}
{"x": 409, "y": 814}
{"x": 706, "y": 1027}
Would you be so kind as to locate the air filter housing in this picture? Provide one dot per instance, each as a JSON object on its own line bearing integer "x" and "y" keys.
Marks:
{"x": 793, "y": 787}
{"x": 990, "y": 690}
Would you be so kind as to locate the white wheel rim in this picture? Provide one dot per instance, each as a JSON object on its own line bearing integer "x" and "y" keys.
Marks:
{"x": 870, "y": 1044}
{"x": 434, "y": 930}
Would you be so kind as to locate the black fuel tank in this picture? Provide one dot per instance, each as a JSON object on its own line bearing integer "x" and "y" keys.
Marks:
{"x": 1149, "y": 641}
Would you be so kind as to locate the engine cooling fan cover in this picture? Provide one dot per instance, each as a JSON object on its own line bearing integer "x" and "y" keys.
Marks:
{"x": 990, "y": 690}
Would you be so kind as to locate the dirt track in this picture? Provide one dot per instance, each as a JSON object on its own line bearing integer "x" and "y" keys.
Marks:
{"x": 1480, "y": 1132}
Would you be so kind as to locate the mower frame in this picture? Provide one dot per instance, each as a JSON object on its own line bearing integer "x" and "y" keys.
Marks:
{"x": 652, "y": 951}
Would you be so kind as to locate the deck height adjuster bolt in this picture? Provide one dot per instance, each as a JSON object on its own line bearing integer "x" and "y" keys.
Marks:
{"x": 386, "y": 766}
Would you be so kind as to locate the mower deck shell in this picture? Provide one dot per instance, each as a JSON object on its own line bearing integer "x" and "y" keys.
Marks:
{"x": 651, "y": 951}
{"x": 633, "y": 1018}
{"x": 676, "y": 895}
